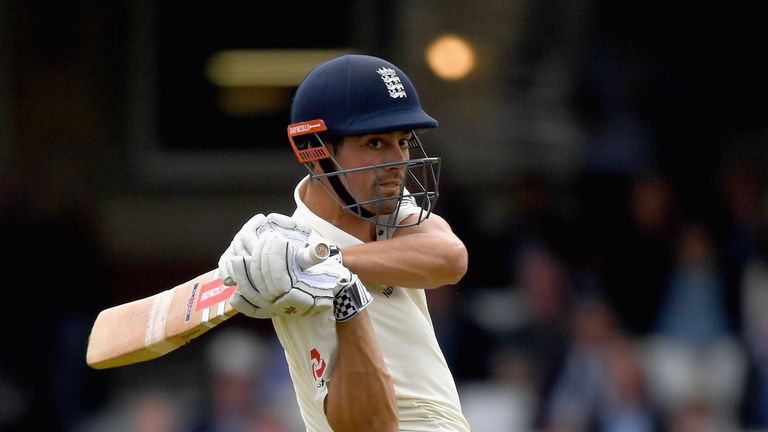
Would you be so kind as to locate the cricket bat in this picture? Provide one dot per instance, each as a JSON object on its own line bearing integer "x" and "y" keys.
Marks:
{"x": 151, "y": 327}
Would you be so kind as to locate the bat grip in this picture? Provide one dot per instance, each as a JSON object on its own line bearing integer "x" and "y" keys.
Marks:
{"x": 313, "y": 254}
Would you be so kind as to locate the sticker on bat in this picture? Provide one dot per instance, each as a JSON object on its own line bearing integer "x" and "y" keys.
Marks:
{"x": 190, "y": 303}
{"x": 214, "y": 292}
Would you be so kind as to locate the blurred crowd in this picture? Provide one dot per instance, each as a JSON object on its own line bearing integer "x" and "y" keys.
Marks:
{"x": 641, "y": 312}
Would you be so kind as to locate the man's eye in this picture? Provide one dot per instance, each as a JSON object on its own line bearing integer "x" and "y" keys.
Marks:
{"x": 405, "y": 143}
{"x": 376, "y": 144}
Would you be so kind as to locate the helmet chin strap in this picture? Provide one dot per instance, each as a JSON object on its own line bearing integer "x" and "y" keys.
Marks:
{"x": 341, "y": 191}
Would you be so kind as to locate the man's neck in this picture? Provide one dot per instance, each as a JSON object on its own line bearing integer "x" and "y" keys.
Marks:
{"x": 318, "y": 200}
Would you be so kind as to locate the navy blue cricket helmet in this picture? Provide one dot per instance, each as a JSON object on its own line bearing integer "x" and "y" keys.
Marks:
{"x": 359, "y": 95}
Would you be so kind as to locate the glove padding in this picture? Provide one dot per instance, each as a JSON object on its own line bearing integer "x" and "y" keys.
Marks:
{"x": 254, "y": 304}
{"x": 273, "y": 274}
{"x": 293, "y": 230}
{"x": 245, "y": 239}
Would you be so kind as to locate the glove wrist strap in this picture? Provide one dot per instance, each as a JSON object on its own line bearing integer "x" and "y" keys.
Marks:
{"x": 335, "y": 253}
{"x": 351, "y": 300}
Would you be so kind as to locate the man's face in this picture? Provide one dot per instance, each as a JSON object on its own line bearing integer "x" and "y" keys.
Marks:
{"x": 375, "y": 149}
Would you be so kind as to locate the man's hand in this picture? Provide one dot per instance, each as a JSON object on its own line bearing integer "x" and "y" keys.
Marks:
{"x": 254, "y": 305}
{"x": 245, "y": 239}
{"x": 263, "y": 261}
{"x": 297, "y": 232}
{"x": 272, "y": 274}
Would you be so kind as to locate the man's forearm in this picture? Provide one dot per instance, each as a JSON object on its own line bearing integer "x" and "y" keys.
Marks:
{"x": 420, "y": 260}
{"x": 361, "y": 395}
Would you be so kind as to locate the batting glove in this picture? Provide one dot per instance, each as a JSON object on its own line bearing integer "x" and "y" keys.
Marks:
{"x": 274, "y": 273}
{"x": 254, "y": 304}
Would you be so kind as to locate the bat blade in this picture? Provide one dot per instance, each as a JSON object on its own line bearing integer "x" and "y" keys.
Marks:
{"x": 154, "y": 326}
{"x": 151, "y": 327}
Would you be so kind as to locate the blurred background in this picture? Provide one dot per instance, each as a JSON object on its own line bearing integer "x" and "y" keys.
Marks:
{"x": 604, "y": 161}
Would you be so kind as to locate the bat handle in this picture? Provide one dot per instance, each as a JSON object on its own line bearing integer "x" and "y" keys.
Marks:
{"x": 313, "y": 254}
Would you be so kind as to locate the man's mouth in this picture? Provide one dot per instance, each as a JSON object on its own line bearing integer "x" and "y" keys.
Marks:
{"x": 391, "y": 185}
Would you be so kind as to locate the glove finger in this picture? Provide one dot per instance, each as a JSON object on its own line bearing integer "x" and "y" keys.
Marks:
{"x": 240, "y": 245}
{"x": 234, "y": 251}
{"x": 235, "y": 248}
{"x": 277, "y": 251}
{"x": 254, "y": 223}
{"x": 286, "y": 222}
{"x": 246, "y": 273}
{"x": 242, "y": 305}
{"x": 256, "y": 270}
{"x": 237, "y": 272}
{"x": 289, "y": 228}
{"x": 246, "y": 286}
{"x": 249, "y": 234}
{"x": 223, "y": 260}
{"x": 238, "y": 248}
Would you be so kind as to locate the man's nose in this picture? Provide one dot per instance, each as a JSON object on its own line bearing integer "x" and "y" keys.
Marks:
{"x": 397, "y": 154}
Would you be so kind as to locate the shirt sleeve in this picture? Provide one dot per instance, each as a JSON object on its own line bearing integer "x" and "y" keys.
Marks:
{"x": 407, "y": 207}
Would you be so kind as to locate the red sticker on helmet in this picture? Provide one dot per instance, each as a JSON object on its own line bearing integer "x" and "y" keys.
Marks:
{"x": 305, "y": 152}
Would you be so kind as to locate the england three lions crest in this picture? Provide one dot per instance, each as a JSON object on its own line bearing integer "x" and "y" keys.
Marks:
{"x": 390, "y": 78}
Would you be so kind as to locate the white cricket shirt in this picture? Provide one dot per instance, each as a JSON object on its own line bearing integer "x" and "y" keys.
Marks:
{"x": 427, "y": 399}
